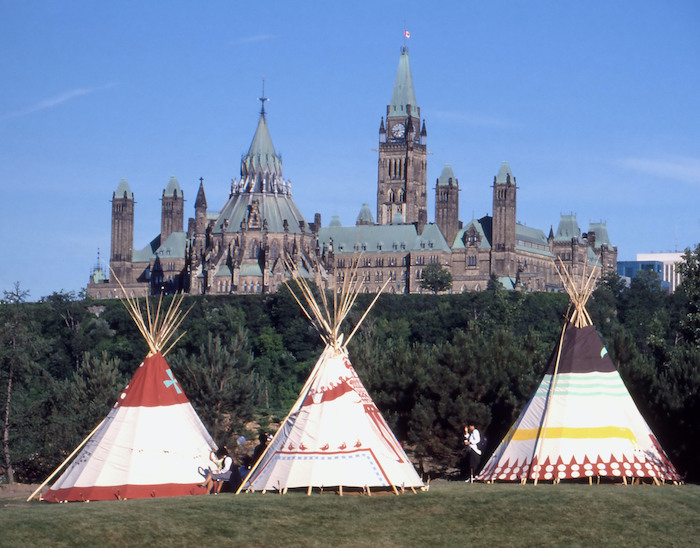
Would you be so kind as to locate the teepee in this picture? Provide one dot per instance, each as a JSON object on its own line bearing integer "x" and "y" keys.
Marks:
{"x": 152, "y": 442}
{"x": 334, "y": 435}
{"x": 581, "y": 421}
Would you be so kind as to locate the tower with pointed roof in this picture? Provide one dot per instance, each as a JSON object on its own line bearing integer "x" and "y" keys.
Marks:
{"x": 447, "y": 204}
{"x": 198, "y": 232}
{"x": 402, "y": 170}
{"x": 172, "y": 209}
{"x": 122, "y": 231}
{"x": 504, "y": 261}
{"x": 245, "y": 244}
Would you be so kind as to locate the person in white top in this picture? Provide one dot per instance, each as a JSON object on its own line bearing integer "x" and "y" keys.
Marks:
{"x": 215, "y": 479}
{"x": 471, "y": 442}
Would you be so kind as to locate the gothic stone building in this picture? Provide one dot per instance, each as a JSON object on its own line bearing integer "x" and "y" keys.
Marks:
{"x": 242, "y": 247}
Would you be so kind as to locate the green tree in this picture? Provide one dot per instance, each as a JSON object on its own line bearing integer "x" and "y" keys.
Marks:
{"x": 689, "y": 294}
{"x": 220, "y": 382}
{"x": 436, "y": 278}
{"x": 17, "y": 352}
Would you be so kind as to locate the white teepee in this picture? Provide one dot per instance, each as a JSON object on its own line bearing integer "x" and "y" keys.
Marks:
{"x": 581, "y": 421}
{"x": 152, "y": 443}
{"x": 334, "y": 435}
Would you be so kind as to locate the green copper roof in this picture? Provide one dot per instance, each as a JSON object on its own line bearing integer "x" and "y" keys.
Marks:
{"x": 172, "y": 248}
{"x": 382, "y": 239}
{"x": 261, "y": 155}
{"x": 365, "y": 216}
{"x": 567, "y": 229}
{"x": 447, "y": 177}
{"x": 504, "y": 174}
{"x": 483, "y": 229}
{"x": 261, "y": 198}
{"x": 123, "y": 190}
{"x": 403, "y": 94}
{"x": 601, "y": 234}
{"x": 532, "y": 240}
{"x": 173, "y": 188}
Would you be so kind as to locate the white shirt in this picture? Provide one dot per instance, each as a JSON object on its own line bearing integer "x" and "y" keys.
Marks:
{"x": 472, "y": 439}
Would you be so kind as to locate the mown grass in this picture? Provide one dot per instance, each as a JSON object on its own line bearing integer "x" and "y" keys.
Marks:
{"x": 450, "y": 514}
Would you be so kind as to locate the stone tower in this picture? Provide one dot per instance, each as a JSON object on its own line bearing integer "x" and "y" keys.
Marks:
{"x": 447, "y": 204}
{"x": 402, "y": 183}
{"x": 172, "y": 210}
{"x": 200, "y": 222}
{"x": 503, "y": 260}
{"x": 122, "y": 232}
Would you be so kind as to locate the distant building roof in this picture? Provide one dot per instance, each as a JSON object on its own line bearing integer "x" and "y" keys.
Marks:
{"x": 123, "y": 190}
{"x": 365, "y": 216}
{"x": 173, "y": 188}
{"x": 568, "y": 229}
{"x": 447, "y": 177}
{"x": 382, "y": 238}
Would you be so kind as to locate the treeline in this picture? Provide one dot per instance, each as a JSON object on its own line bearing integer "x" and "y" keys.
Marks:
{"x": 430, "y": 362}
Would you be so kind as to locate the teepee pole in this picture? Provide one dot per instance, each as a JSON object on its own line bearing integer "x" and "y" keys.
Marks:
{"x": 367, "y": 311}
{"x": 295, "y": 407}
{"x": 68, "y": 458}
{"x": 550, "y": 394}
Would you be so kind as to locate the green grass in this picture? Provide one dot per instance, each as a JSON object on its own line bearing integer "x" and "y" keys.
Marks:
{"x": 450, "y": 514}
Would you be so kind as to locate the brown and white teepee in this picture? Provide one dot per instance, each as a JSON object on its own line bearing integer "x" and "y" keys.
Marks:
{"x": 581, "y": 421}
{"x": 334, "y": 436}
{"x": 152, "y": 442}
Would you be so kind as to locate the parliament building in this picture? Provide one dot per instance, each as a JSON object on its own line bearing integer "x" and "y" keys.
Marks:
{"x": 243, "y": 246}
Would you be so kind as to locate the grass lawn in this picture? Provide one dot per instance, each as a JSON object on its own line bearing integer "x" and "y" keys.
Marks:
{"x": 450, "y": 514}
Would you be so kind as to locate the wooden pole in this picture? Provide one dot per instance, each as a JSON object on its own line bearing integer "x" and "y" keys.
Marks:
{"x": 80, "y": 446}
{"x": 540, "y": 439}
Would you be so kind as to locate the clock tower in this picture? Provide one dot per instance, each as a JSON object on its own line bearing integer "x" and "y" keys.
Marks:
{"x": 402, "y": 181}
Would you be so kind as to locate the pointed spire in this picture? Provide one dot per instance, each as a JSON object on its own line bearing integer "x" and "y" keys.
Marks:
{"x": 261, "y": 155}
{"x": 173, "y": 188}
{"x": 447, "y": 177}
{"x": 201, "y": 201}
{"x": 504, "y": 174}
{"x": 123, "y": 190}
{"x": 403, "y": 98}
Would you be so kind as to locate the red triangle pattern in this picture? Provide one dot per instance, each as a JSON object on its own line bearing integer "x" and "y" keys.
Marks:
{"x": 637, "y": 467}
{"x": 153, "y": 385}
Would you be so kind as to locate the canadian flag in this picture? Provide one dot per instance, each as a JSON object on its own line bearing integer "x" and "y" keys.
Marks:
{"x": 406, "y": 33}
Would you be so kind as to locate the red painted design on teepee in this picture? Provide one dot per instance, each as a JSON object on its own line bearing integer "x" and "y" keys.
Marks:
{"x": 152, "y": 385}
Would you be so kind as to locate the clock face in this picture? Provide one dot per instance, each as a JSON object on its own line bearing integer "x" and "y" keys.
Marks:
{"x": 398, "y": 130}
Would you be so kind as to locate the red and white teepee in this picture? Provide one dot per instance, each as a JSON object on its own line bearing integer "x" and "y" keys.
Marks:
{"x": 334, "y": 435}
{"x": 581, "y": 422}
{"x": 152, "y": 443}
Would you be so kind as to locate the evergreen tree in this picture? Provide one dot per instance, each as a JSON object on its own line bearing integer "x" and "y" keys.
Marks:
{"x": 220, "y": 383}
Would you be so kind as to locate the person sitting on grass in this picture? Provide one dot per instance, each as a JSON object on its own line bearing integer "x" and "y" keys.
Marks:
{"x": 214, "y": 480}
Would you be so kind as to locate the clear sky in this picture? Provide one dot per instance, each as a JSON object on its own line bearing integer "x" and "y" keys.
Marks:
{"x": 595, "y": 105}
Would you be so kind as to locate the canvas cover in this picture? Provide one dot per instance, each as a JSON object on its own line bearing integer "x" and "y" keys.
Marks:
{"x": 150, "y": 445}
{"x": 593, "y": 426}
{"x": 334, "y": 436}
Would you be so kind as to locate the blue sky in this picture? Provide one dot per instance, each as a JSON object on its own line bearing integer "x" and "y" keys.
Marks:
{"x": 593, "y": 103}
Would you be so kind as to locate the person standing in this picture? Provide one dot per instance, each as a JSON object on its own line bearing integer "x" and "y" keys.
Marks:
{"x": 471, "y": 442}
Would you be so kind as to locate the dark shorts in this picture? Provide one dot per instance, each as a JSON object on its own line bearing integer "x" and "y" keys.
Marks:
{"x": 222, "y": 477}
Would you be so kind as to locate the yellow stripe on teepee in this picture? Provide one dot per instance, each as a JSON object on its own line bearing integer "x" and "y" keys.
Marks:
{"x": 567, "y": 432}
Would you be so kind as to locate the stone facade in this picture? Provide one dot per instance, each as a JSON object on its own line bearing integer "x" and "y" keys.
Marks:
{"x": 243, "y": 247}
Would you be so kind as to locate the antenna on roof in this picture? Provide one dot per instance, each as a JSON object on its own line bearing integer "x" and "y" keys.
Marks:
{"x": 263, "y": 98}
